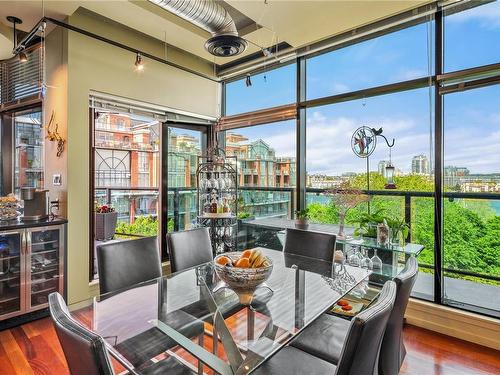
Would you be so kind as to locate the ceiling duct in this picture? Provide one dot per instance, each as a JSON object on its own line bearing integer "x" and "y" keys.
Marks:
{"x": 212, "y": 17}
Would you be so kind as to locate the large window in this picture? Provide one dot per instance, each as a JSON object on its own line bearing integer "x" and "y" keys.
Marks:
{"x": 404, "y": 117}
{"x": 472, "y": 223}
{"x": 184, "y": 147}
{"x": 471, "y": 37}
{"x": 395, "y": 57}
{"x": 466, "y": 174}
{"x": 126, "y": 171}
{"x": 268, "y": 89}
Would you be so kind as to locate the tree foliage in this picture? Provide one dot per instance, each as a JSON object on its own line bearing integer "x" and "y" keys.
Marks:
{"x": 471, "y": 226}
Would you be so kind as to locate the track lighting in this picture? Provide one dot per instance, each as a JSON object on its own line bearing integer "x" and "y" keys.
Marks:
{"x": 248, "y": 81}
{"x": 139, "y": 64}
{"x": 22, "y": 56}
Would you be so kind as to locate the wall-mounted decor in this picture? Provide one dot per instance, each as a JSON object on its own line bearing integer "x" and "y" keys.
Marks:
{"x": 54, "y": 136}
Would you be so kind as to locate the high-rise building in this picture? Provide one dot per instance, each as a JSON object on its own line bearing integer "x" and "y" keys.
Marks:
{"x": 420, "y": 164}
{"x": 382, "y": 164}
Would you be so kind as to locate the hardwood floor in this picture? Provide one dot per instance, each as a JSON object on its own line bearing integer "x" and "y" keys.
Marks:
{"x": 34, "y": 349}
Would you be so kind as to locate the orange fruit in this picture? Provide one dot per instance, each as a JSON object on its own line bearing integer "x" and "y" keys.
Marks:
{"x": 223, "y": 261}
{"x": 246, "y": 254}
{"x": 342, "y": 302}
{"x": 242, "y": 263}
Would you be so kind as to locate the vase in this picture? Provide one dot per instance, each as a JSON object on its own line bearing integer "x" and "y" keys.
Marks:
{"x": 341, "y": 234}
{"x": 301, "y": 223}
{"x": 395, "y": 236}
{"x": 105, "y": 225}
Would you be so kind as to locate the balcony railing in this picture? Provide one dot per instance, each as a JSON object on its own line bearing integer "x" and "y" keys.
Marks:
{"x": 279, "y": 202}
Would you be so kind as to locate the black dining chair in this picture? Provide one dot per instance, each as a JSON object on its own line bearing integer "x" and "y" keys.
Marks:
{"x": 358, "y": 354}
{"x": 122, "y": 264}
{"x": 393, "y": 350}
{"x": 310, "y": 244}
{"x": 86, "y": 353}
{"x": 325, "y": 337}
{"x": 189, "y": 248}
{"x": 127, "y": 263}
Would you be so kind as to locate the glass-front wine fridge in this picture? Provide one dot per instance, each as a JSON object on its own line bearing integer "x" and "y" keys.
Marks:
{"x": 31, "y": 267}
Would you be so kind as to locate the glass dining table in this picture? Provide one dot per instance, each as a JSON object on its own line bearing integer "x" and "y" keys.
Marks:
{"x": 203, "y": 321}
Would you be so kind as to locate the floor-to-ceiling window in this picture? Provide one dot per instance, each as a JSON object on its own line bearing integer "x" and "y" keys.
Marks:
{"x": 184, "y": 147}
{"x": 331, "y": 163}
{"x": 394, "y": 80}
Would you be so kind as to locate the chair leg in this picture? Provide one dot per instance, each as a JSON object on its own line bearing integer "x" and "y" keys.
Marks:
{"x": 201, "y": 342}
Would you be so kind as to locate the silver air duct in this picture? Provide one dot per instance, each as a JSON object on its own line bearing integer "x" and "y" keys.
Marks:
{"x": 212, "y": 17}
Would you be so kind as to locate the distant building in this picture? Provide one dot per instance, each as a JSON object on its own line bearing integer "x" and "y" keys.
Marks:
{"x": 454, "y": 176}
{"x": 382, "y": 164}
{"x": 258, "y": 166}
{"x": 321, "y": 181}
{"x": 420, "y": 165}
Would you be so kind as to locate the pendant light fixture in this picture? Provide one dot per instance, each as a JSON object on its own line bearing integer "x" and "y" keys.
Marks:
{"x": 23, "y": 57}
{"x": 139, "y": 63}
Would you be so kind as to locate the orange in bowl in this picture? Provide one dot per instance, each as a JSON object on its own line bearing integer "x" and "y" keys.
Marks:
{"x": 246, "y": 254}
{"x": 223, "y": 261}
{"x": 243, "y": 263}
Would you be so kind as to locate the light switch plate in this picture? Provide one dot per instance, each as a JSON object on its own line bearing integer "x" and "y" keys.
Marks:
{"x": 56, "y": 180}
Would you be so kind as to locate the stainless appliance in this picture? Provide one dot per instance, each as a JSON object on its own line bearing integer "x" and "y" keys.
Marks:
{"x": 31, "y": 267}
{"x": 36, "y": 203}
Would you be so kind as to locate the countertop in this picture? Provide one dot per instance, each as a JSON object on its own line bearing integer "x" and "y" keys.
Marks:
{"x": 21, "y": 224}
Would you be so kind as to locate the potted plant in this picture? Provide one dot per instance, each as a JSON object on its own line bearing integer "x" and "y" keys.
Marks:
{"x": 302, "y": 219}
{"x": 398, "y": 231}
{"x": 105, "y": 218}
{"x": 345, "y": 198}
{"x": 367, "y": 223}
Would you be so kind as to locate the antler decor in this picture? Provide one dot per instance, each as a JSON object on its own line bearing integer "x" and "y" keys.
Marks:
{"x": 54, "y": 136}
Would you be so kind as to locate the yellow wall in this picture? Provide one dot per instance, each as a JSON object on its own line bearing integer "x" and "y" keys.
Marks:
{"x": 97, "y": 66}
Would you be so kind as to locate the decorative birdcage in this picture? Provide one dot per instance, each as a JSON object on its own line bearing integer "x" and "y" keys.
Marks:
{"x": 217, "y": 181}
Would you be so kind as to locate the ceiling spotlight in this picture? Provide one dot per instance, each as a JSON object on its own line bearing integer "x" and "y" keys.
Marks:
{"x": 248, "y": 81}
{"x": 139, "y": 64}
{"x": 266, "y": 52}
{"x": 22, "y": 56}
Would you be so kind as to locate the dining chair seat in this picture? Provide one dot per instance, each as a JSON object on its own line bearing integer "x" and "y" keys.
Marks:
{"x": 309, "y": 244}
{"x": 148, "y": 344}
{"x": 293, "y": 361}
{"x": 168, "y": 366}
{"x": 359, "y": 351}
{"x": 324, "y": 338}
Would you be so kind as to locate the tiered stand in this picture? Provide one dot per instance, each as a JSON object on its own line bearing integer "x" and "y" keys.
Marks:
{"x": 217, "y": 178}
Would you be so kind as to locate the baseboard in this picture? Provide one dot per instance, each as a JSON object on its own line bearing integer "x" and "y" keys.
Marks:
{"x": 464, "y": 325}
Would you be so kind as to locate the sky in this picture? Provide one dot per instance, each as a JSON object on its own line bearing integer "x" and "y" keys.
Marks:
{"x": 471, "y": 118}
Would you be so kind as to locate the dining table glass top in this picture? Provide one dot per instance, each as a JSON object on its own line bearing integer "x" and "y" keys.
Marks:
{"x": 180, "y": 311}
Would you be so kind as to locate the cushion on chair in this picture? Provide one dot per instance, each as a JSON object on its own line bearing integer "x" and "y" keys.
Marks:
{"x": 293, "y": 361}
{"x": 148, "y": 344}
{"x": 324, "y": 338}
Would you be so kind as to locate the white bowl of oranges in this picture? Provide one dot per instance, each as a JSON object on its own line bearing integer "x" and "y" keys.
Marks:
{"x": 243, "y": 271}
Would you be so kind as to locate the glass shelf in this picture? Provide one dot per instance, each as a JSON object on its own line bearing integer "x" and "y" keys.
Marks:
{"x": 408, "y": 249}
